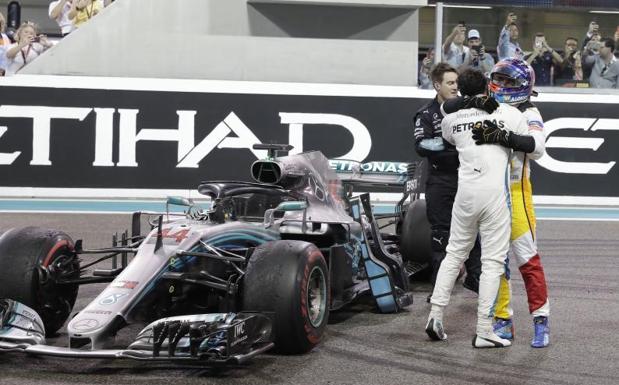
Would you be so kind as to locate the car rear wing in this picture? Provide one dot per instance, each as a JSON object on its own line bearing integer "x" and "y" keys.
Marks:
{"x": 392, "y": 176}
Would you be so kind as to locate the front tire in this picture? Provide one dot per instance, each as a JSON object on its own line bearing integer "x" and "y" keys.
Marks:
{"x": 290, "y": 279}
{"x": 31, "y": 260}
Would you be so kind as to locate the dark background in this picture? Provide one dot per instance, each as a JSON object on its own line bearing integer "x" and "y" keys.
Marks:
{"x": 388, "y": 120}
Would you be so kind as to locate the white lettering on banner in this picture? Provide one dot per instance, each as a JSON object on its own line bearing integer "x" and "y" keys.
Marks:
{"x": 41, "y": 122}
{"x": 104, "y": 137}
{"x": 362, "y": 141}
{"x": 129, "y": 138}
{"x": 584, "y": 124}
{"x": 7, "y": 158}
{"x": 235, "y": 134}
{"x": 219, "y": 138}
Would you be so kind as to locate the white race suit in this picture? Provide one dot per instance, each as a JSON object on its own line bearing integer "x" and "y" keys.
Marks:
{"x": 481, "y": 206}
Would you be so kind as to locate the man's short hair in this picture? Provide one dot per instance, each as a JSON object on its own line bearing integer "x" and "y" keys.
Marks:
{"x": 512, "y": 23}
{"x": 608, "y": 42}
{"x": 472, "y": 82}
{"x": 571, "y": 38}
{"x": 440, "y": 70}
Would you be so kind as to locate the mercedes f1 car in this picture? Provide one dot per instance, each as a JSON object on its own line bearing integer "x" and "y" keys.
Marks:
{"x": 261, "y": 268}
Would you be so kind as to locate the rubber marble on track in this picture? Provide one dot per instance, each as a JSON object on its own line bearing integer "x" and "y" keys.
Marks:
{"x": 362, "y": 347}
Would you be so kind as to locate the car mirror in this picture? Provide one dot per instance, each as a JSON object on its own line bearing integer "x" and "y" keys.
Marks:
{"x": 179, "y": 201}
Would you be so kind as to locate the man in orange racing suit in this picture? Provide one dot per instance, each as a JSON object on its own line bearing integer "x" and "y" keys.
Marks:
{"x": 512, "y": 82}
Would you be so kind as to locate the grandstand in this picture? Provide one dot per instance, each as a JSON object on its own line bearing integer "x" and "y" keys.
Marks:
{"x": 314, "y": 41}
{"x": 323, "y": 41}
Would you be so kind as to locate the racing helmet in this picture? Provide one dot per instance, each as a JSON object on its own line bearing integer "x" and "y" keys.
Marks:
{"x": 511, "y": 81}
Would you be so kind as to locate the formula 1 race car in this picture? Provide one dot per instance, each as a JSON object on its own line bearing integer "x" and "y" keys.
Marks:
{"x": 260, "y": 269}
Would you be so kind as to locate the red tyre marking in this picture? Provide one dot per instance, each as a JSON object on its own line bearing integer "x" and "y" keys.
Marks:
{"x": 50, "y": 254}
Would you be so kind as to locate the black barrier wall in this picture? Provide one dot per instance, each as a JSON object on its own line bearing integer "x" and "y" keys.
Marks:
{"x": 92, "y": 138}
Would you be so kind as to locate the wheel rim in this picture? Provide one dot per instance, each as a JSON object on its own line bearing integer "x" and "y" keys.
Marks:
{"x": 316, "y": 296}
{"x": 56, "y": 301}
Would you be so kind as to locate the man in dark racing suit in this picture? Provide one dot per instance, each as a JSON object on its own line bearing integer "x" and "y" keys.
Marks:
{"x": 442, "y": 172}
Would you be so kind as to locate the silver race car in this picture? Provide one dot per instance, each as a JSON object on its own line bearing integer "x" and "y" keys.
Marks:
{"x": 261, "y": 268}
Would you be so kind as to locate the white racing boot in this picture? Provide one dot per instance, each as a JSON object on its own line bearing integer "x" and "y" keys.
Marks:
{"x": 434, "y": 330}
{"x": 434, "y": 327}
{"x": 489, "y": 340}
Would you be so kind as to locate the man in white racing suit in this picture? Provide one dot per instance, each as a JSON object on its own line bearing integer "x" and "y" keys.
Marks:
{"x": 512, "y": 82}
{"x": 481, "y": 206}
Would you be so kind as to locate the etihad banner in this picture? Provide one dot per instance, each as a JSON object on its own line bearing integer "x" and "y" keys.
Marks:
{"x": 99, "y": 133}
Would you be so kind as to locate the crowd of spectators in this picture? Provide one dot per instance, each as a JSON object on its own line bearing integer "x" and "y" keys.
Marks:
{"x": 592, "y": 64}
{"x": 27, "y": 43}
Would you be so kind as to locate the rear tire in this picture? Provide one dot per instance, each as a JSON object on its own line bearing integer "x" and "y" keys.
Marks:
{"x": 415, "y": 241}
{"x": 30, "y": 260}
{"x": 290, "y": 279}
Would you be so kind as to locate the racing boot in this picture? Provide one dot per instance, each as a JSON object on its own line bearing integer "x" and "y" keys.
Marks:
{"x": 504, "y": 328}
{"x": 541, "y": 337}
{"x": 489, "y": 340}
{"x": 434, "y": 327}
{"x": 434, "y": 330}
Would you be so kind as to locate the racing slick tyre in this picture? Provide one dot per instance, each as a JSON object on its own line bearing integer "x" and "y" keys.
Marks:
{"x": 415, "y": 241}
{"x": 32, "y": 260}
{"x": 289, "y": 279}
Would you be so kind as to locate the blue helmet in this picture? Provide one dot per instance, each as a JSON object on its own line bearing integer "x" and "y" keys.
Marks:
{"x": 511, "y": 81}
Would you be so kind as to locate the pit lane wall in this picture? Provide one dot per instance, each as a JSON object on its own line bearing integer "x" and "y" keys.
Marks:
{"x": 122, "y": 137}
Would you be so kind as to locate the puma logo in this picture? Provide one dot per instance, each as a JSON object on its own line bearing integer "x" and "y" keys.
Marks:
{"x": 439, "y": 240}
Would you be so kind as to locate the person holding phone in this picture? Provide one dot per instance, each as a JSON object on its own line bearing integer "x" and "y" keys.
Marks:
{"x": 508, "y": 46}
{"x": 424, "y": 70}
{"x": 454, "y": 49}
{"x": 594, "y": 30}
{"x": 59, "y": 12}
{"x": 570, "y": 67}
{"x": 591, "y": 47}
{"x": 29, "y": 46}
{"x": 604, "y": 65}
{"x": 542, "y": 59}
{"x": 476, "y": 57}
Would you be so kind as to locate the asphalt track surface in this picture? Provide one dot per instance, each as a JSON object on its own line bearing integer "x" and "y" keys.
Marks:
{"x": 581, "y": 260}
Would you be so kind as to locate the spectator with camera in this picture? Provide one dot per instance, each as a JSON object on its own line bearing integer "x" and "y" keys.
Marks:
{"x": 591, "y": 47}
{"x": 59, "y": 12}
{"x": 454, "y": 49}
{"x": 425, "y": 82}
{"x": 508, "y": 40}
{"x": 570, "y": 67}
{"x": 5, "y": 42}
{"x": 592, "y": 33}
{"x": 476, "y": 57}
{"x": 603, "y": 63}
{"x": 541, "y": 59}
{"x": 29, "y": 46}
{"x": 84, "y": 10}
